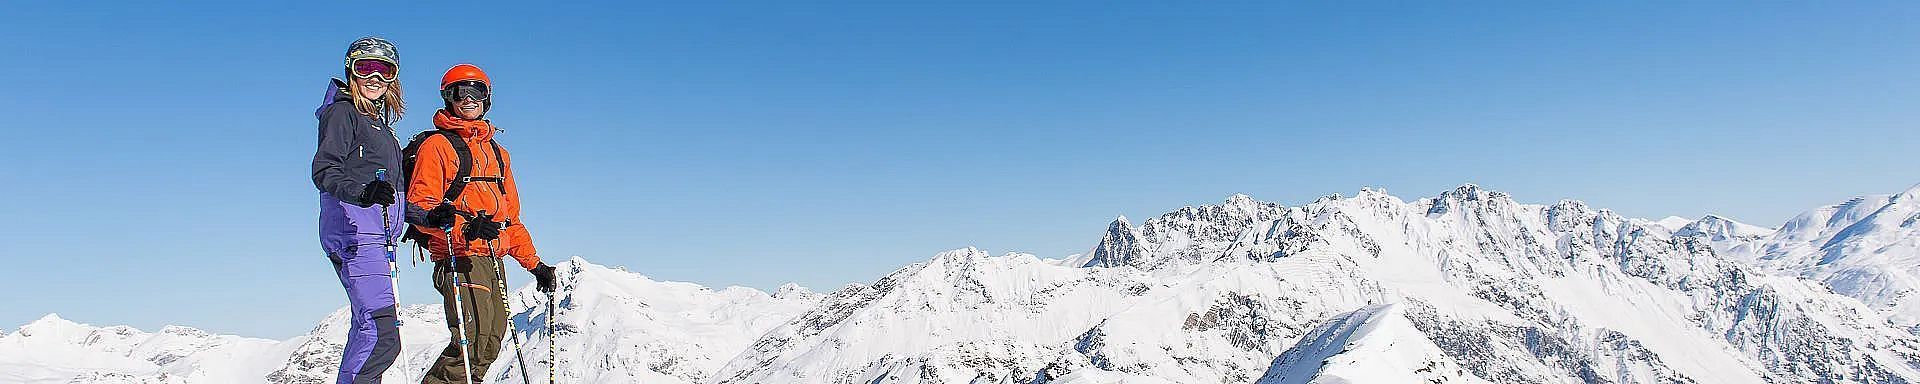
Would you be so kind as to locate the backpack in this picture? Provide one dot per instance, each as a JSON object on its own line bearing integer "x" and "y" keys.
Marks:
{"x": 461, "y": 177}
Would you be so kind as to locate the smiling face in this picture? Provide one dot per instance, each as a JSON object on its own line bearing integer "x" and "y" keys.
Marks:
{"x": 466, "y": 99}
{"x": 469, "y": 109}
{"x": 370, "y": 88}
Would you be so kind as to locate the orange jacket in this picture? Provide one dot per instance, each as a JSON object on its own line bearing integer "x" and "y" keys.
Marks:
{"x": 434, "y": 169}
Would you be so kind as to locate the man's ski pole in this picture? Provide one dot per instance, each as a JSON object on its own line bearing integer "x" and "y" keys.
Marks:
{"x": 552, "y": 345}
{"x": 459, "y": 311}
{"x": 500, "y": 270}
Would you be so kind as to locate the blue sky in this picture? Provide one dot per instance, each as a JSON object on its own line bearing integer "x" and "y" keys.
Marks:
{"x": 157, "y": 157}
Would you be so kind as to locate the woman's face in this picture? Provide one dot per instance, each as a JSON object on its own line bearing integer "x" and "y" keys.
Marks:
{"x": 469, "y": 109}
{"x": 371, "y": 88}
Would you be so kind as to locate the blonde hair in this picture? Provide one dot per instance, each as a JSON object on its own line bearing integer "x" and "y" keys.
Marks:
{"x": 391, "y": 106}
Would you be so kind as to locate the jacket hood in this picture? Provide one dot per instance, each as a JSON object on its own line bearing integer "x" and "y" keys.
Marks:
{"x": 336, "y": 92}
{"x": 477, "y": 130}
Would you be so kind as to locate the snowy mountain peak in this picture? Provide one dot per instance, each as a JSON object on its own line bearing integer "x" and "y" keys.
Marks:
{"x": 182, "y": 331}
{"x": 1717, "y": 228}
{"x": 1674, "y": 223}
{"x": 1375, "y": 194}
{"x": 960, "y": 256}
{"x": 1183, "y": 236}
{"x": 1242, "y": 203}
{"x": 1468, "y": 199}
{"x": 1471, "y": 192}
{"x": 1120, "y": 246}
{"x": 794, "y": 291}
{"x": 54, "y": 349}
{"x": 1373, "y": 344}
{"x": 51, "y": 319}
{"x": 52, "y": 324}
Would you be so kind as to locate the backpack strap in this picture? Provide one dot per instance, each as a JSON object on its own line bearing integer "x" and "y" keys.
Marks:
{"x": 464, "y": 173}
{"x": 454, "y": 187}
{"x": 499, "y": 161}
{"x": 461, "y": 176}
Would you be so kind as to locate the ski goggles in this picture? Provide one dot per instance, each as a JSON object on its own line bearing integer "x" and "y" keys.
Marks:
{"x": 367, "y": 68}
{"x": 466, "y": 90}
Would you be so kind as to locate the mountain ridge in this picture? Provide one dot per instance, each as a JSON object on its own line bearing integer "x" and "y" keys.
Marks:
{"x": 1501, "y": 291}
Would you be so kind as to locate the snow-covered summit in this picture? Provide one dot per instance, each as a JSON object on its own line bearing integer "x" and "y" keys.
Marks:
{"x": 795, "y": 291}
{"x": 1674, "y": 223}
{"x": 54, "y": 349}
{"x": 1120, "y": 246}
{"x": 1717, "y": 228}
{"x": 1373, "y": 344}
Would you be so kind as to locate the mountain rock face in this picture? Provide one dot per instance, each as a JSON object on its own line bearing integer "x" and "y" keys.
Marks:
{"x": 1119, "y": 247}
{"x": 1466, "y": 286}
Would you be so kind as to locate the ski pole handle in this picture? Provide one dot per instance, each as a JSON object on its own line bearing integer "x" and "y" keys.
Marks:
{"x": 386, "y": 224}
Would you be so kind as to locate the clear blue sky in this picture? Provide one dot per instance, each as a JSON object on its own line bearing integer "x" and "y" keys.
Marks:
{"x": 156, "y": 156}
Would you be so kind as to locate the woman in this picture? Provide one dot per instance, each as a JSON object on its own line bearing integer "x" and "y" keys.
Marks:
{"x": 474, "y": 218}
{"x": 359, "y": 221}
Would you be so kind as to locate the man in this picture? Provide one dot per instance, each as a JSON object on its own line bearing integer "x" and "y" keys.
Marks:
{"x": 463, "y": 182}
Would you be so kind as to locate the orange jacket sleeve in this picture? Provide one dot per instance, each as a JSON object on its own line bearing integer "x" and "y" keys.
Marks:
{"x": 519, "y": 241}
{"x": 433, "y": 170}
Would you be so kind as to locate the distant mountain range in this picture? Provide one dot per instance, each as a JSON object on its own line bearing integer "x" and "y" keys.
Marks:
{"x": 1466, "y": 286}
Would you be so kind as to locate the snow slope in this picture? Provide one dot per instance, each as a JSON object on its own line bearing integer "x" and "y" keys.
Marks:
{"x": 1373, "y": 344}
{"x": 618, "y": 326}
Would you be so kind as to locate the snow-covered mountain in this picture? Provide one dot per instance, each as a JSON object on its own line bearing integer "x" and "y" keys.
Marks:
{"x": 1373, "y": 344}
{"x": 614, "y": 326}
{"x": 1466, "y": 286}
{"x": 1867, "y": 248}
{"x": 1212, "y": 294}
{"x": 55, "y": 350}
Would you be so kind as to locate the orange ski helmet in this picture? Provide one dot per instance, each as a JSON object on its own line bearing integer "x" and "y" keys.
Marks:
{"x": 465, "y": 73}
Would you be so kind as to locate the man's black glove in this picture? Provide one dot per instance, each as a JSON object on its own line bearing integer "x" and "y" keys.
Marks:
{"x": 543, "y": 277}
{"x": 440, "y": 216}
{"x": 482, "y": 227}
{"x": 378, "y": 192}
